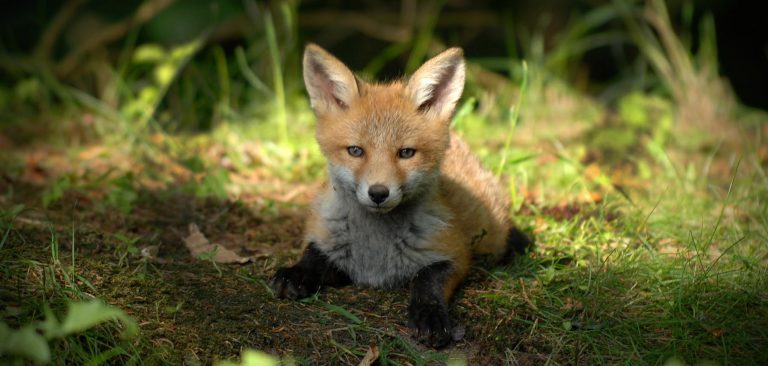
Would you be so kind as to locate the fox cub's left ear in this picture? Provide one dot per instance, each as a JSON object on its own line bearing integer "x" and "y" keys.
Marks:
{"x": 332, "y": 86}
{"x": 437, "y": 85}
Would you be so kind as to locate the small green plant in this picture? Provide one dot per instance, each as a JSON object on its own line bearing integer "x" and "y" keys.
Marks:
{"x": 33, "y": 341}
{"x": 122, "y": 194}
{"x": 250, "y": 357}
{"x": 210, "y": 256}
{"x": 55, "y": 191}
{"x": 126, "y": 247}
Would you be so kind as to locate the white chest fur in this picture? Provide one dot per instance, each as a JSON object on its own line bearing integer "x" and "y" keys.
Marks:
{"x": 379, "y": 249}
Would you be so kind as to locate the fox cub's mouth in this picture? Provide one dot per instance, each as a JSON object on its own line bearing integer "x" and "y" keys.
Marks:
{"x": 378, "y": 208}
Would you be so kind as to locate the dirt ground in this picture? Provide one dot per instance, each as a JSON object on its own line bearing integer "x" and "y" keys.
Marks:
{"x": 204, "y": 312}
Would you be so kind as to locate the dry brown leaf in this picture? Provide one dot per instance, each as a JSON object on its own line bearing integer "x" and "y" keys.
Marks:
{"x": 198, "y": 245}
{"x": 371, "y": 356}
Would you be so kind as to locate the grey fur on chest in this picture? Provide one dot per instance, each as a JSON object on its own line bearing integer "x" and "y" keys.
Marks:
{"x": 379, "y": 249}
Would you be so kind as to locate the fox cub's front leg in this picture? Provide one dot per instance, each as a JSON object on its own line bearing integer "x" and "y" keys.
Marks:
{"x": 307, "y": 277}
{"x": 428, "y": 310}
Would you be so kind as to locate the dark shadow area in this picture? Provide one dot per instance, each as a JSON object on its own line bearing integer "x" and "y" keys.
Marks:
{"x": 199, "y": 309}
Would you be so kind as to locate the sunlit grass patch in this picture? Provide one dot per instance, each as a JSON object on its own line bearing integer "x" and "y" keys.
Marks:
{"x": 677, "y": 260}
{"x": 643, "y": 254}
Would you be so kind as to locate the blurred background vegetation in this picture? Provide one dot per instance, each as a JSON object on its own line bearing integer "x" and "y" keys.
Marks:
{"x": 617, "y": 71}
{"x": 184, "y": 66}
{"x": 628, "y": 127}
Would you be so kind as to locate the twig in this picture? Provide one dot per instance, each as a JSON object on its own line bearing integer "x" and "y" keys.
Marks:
{"x": 384, "y": 30}
{"x": 114, "y": 32}
{"x": 392, "y": 26}
{"x": 43, "y": 49}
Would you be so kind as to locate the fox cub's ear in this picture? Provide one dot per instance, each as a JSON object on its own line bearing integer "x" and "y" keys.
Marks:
{"x": 331, "y": 85}
{"x": 437, "y": 85}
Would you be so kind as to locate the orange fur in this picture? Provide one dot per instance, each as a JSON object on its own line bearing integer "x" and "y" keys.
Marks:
{"x": 383, "y": 118}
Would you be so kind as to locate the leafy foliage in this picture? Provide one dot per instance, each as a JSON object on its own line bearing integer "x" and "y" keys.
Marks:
{"x": 31, "y": 341}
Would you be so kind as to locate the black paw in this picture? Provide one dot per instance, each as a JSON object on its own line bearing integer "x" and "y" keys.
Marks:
{"x": 431, "y": 324}
{"x": 294, "y": 283}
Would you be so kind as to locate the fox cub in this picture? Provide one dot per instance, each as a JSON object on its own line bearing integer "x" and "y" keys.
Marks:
{"x": 407, "y": 203}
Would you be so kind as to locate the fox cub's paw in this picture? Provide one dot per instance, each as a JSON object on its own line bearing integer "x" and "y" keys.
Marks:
{"x": 431, "y": 323}
{"x": 294, "y": 283}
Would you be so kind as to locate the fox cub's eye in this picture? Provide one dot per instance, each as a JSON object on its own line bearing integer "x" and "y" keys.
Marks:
{"x": 355, "y": 151}
{"x": 406, "y": 153}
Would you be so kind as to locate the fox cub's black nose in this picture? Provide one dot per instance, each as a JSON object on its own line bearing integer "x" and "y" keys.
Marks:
{"x": 378, "y": 193}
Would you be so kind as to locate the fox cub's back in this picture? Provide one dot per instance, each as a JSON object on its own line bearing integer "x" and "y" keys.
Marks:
{"x": 476, "y": 198}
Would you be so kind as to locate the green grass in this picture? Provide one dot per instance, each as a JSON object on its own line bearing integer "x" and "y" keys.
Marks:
{"x": 51, "y": 309}
{"x": 651, "y": 237}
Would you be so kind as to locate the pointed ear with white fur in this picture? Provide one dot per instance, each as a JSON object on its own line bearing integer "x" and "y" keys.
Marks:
{"x": 437, "y": 85}
{"x": 332, "y": 86}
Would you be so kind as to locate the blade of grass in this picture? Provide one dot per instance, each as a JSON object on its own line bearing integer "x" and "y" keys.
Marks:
{"x": 389, "y": 53}
{"x": 424, "y": 38}
{"x": 515, "y": 115}
{"x": 341, "y": 311}
{"x": 249, "y": 75}
{"x": 222, "y": 72}
{"x": 277, "y": 77}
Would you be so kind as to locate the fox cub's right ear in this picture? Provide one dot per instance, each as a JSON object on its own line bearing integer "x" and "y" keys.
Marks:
{"x": 437, "y": 85}
{"x": 332, "y": 86}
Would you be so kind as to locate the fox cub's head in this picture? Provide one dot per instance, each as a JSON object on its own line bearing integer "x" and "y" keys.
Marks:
{"x": 384, "y": 142}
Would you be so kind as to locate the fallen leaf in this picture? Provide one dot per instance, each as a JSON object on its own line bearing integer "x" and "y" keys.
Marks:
{"x": 199, "y": 245}
{"x": 371, "y": 356}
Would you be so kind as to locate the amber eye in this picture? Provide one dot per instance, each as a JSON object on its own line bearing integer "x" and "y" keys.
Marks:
{"x": 355, "y": 151}
{"x": 406, "y": 153}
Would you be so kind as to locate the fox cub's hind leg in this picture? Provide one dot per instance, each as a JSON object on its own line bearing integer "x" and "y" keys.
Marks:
{"x": 307, "y": 277}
